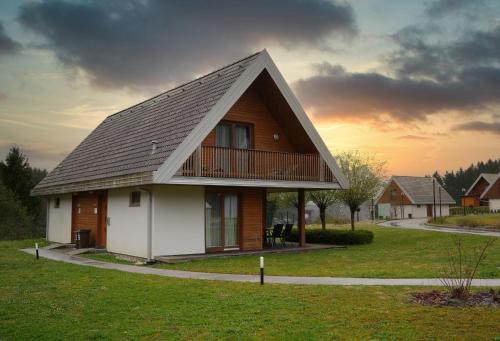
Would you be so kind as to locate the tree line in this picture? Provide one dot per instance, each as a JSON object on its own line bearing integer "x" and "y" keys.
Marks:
{"x": 454, "y": 181}
{"x": 21, "y": 215}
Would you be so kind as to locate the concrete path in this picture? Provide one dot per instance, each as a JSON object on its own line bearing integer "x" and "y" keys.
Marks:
{"x": 59, "y": 256}
{"x": 421, "y": 224}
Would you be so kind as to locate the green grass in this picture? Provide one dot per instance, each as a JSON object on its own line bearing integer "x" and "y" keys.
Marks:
{"x": 106, "y": 257}
{"x": 50, "y": 300}
{"x": 485, "y": 221}
{"x": 394, "y": 253}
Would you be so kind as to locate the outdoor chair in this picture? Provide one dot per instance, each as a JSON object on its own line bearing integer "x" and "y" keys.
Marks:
{"x": 277, "y": 231}
{"x": 286, "y": 234}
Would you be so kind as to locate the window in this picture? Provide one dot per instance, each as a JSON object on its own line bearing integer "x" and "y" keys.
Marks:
{"x": 418, "y": 206}
{"x": 393, "y": 194}
{"x": 57, "y": 202}
{"x": 233, "y": 135}
{"x": 135, "y": 199}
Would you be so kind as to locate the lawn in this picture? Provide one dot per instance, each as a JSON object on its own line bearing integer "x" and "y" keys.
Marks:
{"x": 485, "y": 221}
{"x": 394, "y": 253}
{"x": 58, "y": 301}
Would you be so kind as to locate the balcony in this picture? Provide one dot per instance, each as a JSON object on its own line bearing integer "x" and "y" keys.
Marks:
{"x": 220, "y": 162}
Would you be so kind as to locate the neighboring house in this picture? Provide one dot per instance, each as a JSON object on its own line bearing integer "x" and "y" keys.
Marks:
{"x": 482, "y": 191}
{"x": 187, "y": 171}
{"x": 413, "y": 197}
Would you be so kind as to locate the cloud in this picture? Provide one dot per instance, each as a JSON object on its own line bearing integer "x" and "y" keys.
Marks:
{"x": 333, "y": 92}
{"x": 2, "y": 96}
{"x": 152, "y": 43}
{"x": 413, "y": 137}
{"x": 7, "y": 44}
{"x": 422, "y": 79}
{"x": 479, "y": 126}
{"x": 438, "y": 9}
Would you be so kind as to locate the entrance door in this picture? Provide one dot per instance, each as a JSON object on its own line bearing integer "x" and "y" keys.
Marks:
{"x": 89, "y": 212}
{"x": 429, "y": 210}
{"x": 221, "y": 222}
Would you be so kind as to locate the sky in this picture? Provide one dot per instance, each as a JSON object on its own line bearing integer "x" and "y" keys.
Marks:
{"x": 413, "y": 83}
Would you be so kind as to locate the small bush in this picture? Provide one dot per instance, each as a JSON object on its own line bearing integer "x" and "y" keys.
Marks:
{"x": 469, "y": 210}
{"x": 336, "y": 237}
{"x": 438, "y": 220}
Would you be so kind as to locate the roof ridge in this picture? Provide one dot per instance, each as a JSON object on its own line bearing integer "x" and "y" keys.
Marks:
{"x": 185, "y": 84}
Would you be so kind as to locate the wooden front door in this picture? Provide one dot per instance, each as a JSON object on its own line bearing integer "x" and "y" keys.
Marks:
{"x": 429, "y": 210}
{"x": 89, "y": 211}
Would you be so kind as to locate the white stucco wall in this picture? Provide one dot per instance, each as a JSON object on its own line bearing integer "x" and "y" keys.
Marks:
{"x": 127, "y": 230}
{"x": 59, "y": 220}
{"x": 179, "y": 220}
{"x": 417, "y": 212}
{"x": 494, "y": 204}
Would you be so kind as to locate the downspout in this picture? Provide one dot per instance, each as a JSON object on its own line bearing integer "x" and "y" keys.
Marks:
{"x": 47, "y": 217}
{"x": 149, "y": 246}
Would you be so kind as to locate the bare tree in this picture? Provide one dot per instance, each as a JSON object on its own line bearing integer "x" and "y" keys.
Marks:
{"x": 461, "y": 268}
{"x": 322, "y": 199}
{"x": 365, "y": 175}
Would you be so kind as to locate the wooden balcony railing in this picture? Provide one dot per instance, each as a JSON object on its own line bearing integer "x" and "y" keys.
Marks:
{"x": 219, "y": 162}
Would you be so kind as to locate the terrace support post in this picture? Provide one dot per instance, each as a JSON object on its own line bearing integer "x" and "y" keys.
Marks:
{"x": 301, "y": 221}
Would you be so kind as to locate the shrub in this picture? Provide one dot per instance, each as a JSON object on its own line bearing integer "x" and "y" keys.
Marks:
{"x": 469, "y": 210}
{"x": 337, "y": 237}
{"x": 438, "y": 220}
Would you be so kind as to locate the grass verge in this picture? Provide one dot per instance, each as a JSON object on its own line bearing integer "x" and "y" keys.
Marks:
{"x": 51, "y": 300}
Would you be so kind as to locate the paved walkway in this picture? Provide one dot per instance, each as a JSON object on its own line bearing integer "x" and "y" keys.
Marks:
{"x": 421, "y": 224}
{"x": 59, "y": 256}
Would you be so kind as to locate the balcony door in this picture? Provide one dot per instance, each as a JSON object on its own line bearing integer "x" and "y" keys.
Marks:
{"x": 237, "y": 137}
{"x": 221, "y": 221}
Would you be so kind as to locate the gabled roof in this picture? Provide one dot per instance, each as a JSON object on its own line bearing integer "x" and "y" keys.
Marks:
{"x": 177, "y": 120}
{"x": 493, "y": 178}
{"x": 488, "y": 177}
{"x": 420, "y": 190}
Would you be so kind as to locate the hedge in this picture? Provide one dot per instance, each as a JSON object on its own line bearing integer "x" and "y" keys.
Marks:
{"x": 336, "y": 237}
{"x": 469, "y": 210}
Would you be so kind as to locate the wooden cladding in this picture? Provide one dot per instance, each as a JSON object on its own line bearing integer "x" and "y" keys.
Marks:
{"x": 252, "y": 211}
{"x": 393, "y": 195}
{"x": 219, "y": 162}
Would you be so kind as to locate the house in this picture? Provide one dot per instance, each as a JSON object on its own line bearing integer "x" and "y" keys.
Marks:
{"x": 482, "y": 191}
{"x": 413, "y": 197}
{"x": 188, "y": 171}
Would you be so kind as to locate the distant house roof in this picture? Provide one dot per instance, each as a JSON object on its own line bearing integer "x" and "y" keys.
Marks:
{"x": 493, "y": 179}
{"x": 490, "y": 178}
{"x": 420, "y": 190}
{"x": 120, "y": 148}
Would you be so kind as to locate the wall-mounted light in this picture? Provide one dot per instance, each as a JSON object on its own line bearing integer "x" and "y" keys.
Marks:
{"x": 276, "y": 137}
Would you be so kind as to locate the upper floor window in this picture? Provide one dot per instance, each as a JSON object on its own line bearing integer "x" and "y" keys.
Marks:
{"x": 233, "y": 135}
{"x": 135, "y": 199}
{"x": 393, "y": 194}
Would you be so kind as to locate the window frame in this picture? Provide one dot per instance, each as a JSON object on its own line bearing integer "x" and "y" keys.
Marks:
{"x": 133, "y": 203}
{"x": 233, "y": 125}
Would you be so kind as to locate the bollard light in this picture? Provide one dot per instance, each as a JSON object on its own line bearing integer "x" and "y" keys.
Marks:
{"x": 36, "y": 250}
{"x": 261, "y": 270}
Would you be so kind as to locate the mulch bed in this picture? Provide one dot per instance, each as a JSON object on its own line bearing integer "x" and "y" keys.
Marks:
{"x": 443, "y": 299}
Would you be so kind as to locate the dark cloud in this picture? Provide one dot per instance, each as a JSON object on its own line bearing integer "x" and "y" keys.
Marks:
{"x": 335, "y": 93}
{"x": 425, "y": 77}
{"x": 440, "y": 8}
{"x": 150, "y": 43}
{"x": 479, "y": 126}
{"x": 7, "y": 44}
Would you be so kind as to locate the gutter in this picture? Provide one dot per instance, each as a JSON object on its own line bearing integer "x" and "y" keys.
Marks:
{"x": 149, "y": 243}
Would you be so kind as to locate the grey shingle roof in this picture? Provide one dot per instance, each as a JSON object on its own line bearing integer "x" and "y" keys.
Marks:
{"x": 489, "y": 177}
{"x": 419, "y": 189}
{"x": 122, "y": 143}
